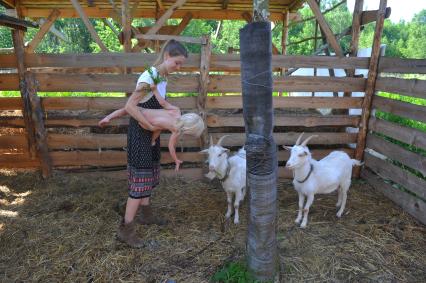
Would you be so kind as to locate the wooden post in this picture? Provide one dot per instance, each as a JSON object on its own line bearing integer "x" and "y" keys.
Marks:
{"x": 206, "y": 50}
{"x": 30, "y": 90}
{"x": 370, "y": 86}
{"x": 18, "y": 43}
{"x": 126, "y": 24}
{"x": 356, "y": 30}
{"x": 256, "y": 81}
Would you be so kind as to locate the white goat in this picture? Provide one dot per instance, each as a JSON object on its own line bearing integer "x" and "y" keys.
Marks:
{"x": 311, "y": 177}
{"x": 230, "y": 171}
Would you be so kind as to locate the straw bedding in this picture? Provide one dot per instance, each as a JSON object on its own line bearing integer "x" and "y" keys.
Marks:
{"x": 63, "y": 230}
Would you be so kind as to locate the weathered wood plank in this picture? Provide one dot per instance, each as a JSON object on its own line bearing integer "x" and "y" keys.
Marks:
{"x": 403, "y": 109}
{"x": 414, "y": 206}
{"x": 18, "y": 161}
{"x": 400, "y": 65}
{"x": 407, "y": 135}
{"x": 212, "y": 121}
{"x": 410, "y": 87}
{"x": 96, "y": 141}
{"x": 303, "y": 121}
{"x": 180, "y": 83}
{"x": 13, "y": 142}
{"x": 224, "y": 62}
{"x": 395, "y": 152}
{"x": 387, "y": 170}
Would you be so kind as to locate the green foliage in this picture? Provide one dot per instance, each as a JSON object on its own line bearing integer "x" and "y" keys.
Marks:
{"x": 234, "y": 272}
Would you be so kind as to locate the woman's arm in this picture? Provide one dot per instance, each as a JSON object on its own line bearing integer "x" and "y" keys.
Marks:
{"x": 132, "y": 108}
{"x": 172, "y": 149}
{"x": 166, "y": 105}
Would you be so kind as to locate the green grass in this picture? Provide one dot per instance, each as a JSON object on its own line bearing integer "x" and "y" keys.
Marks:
{"x": 234, "y": 272}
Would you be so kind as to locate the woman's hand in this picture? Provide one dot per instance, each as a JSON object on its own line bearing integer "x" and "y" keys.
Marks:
{"x": 178, "y": 163}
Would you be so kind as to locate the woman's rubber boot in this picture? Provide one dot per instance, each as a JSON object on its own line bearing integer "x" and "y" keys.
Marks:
{"x": 127, "y": 234}
{"x": 146, "y": 217}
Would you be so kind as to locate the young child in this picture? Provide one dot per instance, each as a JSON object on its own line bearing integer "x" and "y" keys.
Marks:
{"x": 170, "y": 119}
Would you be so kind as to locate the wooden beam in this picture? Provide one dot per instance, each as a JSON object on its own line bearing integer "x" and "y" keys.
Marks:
{"x": 89, "y": 25}
{"x": 160, "y": 4}
{"x": 43, "y": 30}
{"x": 225, "y": 4}
{"x": 15, "y": 23}
{"x": 164, "y": 37}
{"x": 37, "y": 118}
{"x": 8, "y": 4}
{"x": 111, "y": 26}
{"x": 18, "y": 43}
{"x": 160, "y": 22}
{"x": 331, "y": 39}
{"x": 183, "y": 24}
{"x": 206, "y": 50}
{"x": 126, "y": 24}
{"x": 370, "y": 86}
{"x": 356, "y": 30}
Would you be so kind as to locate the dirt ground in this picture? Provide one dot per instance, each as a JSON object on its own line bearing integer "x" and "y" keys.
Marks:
{"x": 63, "y": 230}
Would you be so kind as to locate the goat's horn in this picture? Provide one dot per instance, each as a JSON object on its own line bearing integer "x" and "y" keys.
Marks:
{"x": 211, "y": 140}
{"x": 299, "y": 138}
{"x": 221, "y": 139}
{"x": 305, "y": 142}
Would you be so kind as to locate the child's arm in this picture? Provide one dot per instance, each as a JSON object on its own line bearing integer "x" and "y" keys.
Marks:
{"x": 166, "y": 105}
{"x": 172, "y": 149}
{"x": 116, "y": 114}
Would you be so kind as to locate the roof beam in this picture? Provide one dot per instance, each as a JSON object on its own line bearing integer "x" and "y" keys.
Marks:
{"x": 43, "y": 30}
{"x": 331, "y": 39}
{"x": 89, "y": 25}
{"x": 8, "y": 4}
{"x": 16, "y": 23}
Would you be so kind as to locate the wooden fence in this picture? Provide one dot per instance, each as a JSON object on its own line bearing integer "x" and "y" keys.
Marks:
{"x": 75, "y": 141}
{"x": 395, "y": 155}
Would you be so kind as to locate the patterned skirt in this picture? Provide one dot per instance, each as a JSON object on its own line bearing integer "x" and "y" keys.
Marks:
{"x": 143, "y": 159}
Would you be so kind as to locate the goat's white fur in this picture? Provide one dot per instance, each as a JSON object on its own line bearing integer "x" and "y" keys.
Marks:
{"x": 331, "y": 173}
{"x": 231, "y": 171}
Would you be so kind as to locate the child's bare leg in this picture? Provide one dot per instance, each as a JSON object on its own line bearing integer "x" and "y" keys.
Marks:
{"x": 155, "y": 136}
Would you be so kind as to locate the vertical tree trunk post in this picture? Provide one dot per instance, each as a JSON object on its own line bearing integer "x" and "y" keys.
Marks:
{"x": 370, "y": 86}
{"x": 206, "y": 50}
{"x": 126, "y": 23}
{"x": 256, "y": 80}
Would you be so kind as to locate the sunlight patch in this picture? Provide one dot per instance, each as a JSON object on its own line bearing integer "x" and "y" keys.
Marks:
{"x": 8, "y": 213}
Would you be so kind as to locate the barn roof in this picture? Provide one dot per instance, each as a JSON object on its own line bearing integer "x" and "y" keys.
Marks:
{"x": 200, "y": 9}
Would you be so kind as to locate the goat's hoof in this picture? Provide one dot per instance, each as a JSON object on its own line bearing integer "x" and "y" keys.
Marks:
{"x": 236, "y": 222}
{"x": 338, "y": 204}
{"x": 303, "y": 225}
{"x": 297, "y": 221}
{"x": 339, "y": 214}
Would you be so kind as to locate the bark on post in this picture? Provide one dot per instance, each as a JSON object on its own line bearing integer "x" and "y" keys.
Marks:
{"x": 37, "y": 118}
{"x": 18, "y": 43}
{"x": 370, "y": 87}
{"x": 256, "y": 80}
{"x": 206, "y": 50}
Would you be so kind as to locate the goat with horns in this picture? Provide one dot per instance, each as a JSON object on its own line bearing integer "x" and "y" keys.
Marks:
{"x": 311, "y": 177}
{"x": 230, "y": 171}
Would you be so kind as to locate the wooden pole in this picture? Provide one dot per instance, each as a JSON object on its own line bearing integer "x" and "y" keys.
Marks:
{"x": 206, "y": 50}
{"x": 356, "y": 30}
{"x": 256, "y": 81}
{"x": 370, "y": 86}
{"x": 37, "y": 118}
{"x": 18, "y": 43}
{"x": 43, "y": 30}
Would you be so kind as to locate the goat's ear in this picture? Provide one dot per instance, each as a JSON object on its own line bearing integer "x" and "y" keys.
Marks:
{"x": 204, "y": 151}
{"x": 287, "y": 147}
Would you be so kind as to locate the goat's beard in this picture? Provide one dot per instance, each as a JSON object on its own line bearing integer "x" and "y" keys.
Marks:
{"x": 211, "y": 175}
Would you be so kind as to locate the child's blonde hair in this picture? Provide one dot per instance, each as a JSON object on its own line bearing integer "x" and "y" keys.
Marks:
{"x": 190, "y": 124}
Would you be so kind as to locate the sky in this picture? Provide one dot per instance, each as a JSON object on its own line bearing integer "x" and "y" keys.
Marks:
{"x": 400, "y": 9}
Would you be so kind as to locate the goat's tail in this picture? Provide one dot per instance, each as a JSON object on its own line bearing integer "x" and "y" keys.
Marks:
{"x": 356, "y": 162}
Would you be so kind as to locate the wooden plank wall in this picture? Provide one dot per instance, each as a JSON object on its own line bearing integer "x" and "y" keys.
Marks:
{"x": 395, "y": 155}
{"x": 74, "y": 140}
